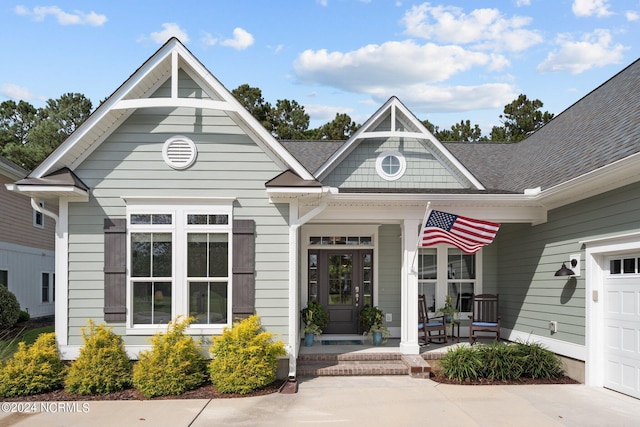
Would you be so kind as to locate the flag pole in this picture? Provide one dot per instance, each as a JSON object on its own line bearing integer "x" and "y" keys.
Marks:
{"x": 414, "y": 269}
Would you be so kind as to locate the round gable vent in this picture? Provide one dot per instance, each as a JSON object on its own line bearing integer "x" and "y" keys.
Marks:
{"x": 179, "y": 152}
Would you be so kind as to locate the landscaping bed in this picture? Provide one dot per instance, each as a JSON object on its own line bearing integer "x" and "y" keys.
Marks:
{"x": 207, "y": 391}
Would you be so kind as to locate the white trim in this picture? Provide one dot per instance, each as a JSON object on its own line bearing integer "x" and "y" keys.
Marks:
{"x": 564, "y": 348}
{"x": 409, "y": 289}
{"x": 206, "y": 104}
{"x": 62, "y": 274}
{"x": 402, "y": 167}
{"x": 597, "y": 250}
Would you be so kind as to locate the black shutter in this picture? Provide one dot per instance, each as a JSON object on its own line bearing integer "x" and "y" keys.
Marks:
{"x": 115, "y": 270}
{"x": 244, "y": 259}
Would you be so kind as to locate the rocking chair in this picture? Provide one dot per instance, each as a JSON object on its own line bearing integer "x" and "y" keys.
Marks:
{"x": 484, "y": 316}
{"x": 434, "y": 328}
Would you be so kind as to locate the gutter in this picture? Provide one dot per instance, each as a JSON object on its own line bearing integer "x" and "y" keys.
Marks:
{"x": 296, "y": 223}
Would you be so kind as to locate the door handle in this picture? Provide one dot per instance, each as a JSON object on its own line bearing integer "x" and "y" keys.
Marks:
{"x": 357, "y": 290}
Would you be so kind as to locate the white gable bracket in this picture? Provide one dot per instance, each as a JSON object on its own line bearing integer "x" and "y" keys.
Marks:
{"x": 207, "y": 104}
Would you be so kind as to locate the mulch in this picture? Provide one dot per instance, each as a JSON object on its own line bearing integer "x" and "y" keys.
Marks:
{"x": 521, "y": 381}
{"x": 207, "y": 391}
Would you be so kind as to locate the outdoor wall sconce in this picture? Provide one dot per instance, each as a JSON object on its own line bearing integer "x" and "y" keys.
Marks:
{"x": 574, "y": 262}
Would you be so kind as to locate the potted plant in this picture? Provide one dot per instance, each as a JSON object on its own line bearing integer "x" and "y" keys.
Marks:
{"x": 372, "y": 323}
{"x": 314, "y": 320}
{"x": 449, "y": 311}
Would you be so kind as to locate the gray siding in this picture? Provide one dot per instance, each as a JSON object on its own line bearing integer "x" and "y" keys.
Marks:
{"x": 130, "y": 163}
{"x": 530, "y": 295}
{"x": 389, "y": 271}
{"x": 424, "y": 170}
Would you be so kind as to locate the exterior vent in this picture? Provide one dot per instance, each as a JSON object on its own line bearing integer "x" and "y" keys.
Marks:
{"x": 179, "y": 152}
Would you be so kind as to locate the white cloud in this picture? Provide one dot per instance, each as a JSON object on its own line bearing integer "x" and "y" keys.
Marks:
{"x": 209, "y": 40}
{"x": 440, "y": 99}
{"x": 482, "y": 28}
{"x": 171, "y": 29}
{"x": 392, "y": 64}
{"x": 521, "y": 3}
{"x": 326, "y": 113}
{"x": 76, "y": 17}
{"x": 16, "y": 92}
{"x": 599, "y": 8}
{"x": 240, "y": 41}
{"x": 632, "y": 15}
{"x": 592, "y": 50}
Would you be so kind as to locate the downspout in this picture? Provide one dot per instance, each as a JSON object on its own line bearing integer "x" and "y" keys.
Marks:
{"x": 294, "y": 327}
{"x": 36, "y": 206}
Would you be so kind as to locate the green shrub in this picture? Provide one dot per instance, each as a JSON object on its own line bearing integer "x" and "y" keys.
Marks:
{"x": 23, "y": 316}
{"x": 172, "y": 366}
{"x": 499, "y": 362}
{"x": 102, "y": 366}
{"x": 34, "y": 369}
{"x": 461, "y": 363}
{"x": 537, "y": 361}
{"x": 9, "y": 308}
{"x": 244, "y": 357}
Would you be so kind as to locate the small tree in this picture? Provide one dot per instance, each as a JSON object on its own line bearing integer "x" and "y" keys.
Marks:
{"x": 174, "y": 364}
{"x": 103, "y": 365}
{"x": 244, "y": 358}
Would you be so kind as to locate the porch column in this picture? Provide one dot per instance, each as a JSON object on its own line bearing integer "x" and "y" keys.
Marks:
{"x": 409, "y": 289}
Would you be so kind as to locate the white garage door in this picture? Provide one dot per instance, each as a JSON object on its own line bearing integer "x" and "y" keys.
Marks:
{"x": 622, "y": 326}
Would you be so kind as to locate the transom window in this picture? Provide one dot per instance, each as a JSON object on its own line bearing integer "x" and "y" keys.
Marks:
{"x": 341, "y": 240}
{"x": 391, "y": 165}
{"x": 179, "y": 263}
{"x": 625, "y": 265}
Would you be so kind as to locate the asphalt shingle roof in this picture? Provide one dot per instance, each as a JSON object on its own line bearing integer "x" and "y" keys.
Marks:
{"x": 600, "y": 128}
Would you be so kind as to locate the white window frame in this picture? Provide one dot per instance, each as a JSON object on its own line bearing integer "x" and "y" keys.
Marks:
{"x": 442, "y": 276}
{"x": 179, "y": 228}
{"x": 391, "y": 176}
{"x": 50, "y": 287}
{"x": 38, "y": 217}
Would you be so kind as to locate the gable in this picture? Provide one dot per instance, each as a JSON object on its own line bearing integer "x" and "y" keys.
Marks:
{"x": 172, "y": 79}
{"x": 423, "y": 168}
{"x": 393, "y": 131}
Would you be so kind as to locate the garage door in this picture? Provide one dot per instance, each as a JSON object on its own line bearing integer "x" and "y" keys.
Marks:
{"x": 622, "y": 327}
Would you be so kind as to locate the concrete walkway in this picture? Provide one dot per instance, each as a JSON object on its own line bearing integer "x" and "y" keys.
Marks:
{"x": 360, "y": 401}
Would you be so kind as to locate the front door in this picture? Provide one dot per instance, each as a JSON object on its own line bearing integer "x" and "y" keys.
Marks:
{"x": 344, "y": 285}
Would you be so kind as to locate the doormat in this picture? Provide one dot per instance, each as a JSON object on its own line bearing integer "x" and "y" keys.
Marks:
{"x": 342, "y": 342}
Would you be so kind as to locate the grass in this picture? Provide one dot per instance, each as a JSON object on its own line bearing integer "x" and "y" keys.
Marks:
{"x": 28, "y": 336}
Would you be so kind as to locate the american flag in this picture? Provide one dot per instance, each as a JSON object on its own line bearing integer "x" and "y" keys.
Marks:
{"x": 467, "y": 234}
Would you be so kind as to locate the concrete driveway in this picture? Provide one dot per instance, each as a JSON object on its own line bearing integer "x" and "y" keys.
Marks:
{"x": 358, "y": 401}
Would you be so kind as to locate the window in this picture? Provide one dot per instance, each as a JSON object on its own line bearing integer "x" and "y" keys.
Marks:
{"x": 46, "y": 286}
{"x": 390, "y": 165}
{"x": 626, "y": 265}
{"x": 445, "y": 272}
{"x": 179, "y": 263}
{"x": 208, "y": 276}
{"x": 4, "y": 278}
{"x": 38, "y": 217}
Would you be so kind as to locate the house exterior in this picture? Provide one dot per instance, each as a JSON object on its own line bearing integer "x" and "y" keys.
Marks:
{"x": 26, "y": 246}
{"x": 174, "y": 201}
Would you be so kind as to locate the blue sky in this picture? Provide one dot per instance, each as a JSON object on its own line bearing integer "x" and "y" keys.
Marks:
{"x": 446, "y": 60}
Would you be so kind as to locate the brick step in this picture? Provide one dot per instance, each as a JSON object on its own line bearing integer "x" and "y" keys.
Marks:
{"x": 354, "y": 364}
{"x": 318, "y": 369}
